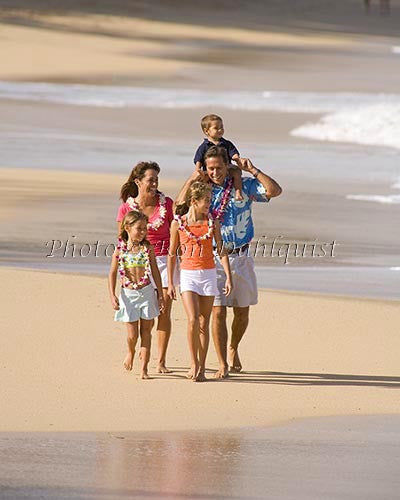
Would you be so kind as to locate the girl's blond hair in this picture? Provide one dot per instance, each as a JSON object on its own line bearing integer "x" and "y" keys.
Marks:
{"x": 197, "y": 191}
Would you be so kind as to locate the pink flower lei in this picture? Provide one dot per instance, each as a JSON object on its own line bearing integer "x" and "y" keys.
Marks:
{"x": 218, "y": 213}
{"x": 163, "y": 211}
{"x": 145, "y": 279}
{"x": 184, "y": 227}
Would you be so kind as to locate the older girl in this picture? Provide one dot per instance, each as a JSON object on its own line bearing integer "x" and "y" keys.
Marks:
{"x": 194, "y": 232}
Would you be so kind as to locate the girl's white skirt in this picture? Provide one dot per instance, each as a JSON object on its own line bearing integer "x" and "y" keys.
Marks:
{"x": 200, "y": 281}
{"x": 136, "y": 304}
{"x": 162, "y": 267}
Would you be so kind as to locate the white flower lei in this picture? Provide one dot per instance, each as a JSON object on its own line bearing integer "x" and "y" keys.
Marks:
{"x": 163, "y": 211}
{"x": 184, "y": 227}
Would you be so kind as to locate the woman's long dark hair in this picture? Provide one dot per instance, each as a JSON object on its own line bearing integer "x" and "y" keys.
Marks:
{"x": 130, "y": 188}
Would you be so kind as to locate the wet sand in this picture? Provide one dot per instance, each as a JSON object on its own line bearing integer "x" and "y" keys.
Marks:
{"x": 335, "y": 457}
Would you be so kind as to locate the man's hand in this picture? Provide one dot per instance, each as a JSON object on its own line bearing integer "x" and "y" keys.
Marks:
{"x": 246, "y": 165}
{"x": 228, "y": 286}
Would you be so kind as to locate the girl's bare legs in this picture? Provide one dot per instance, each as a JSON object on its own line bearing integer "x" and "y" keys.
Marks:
{"x": 133, "y": 330}
{"x": 145, "y": 344}
{"x": 191, "y": 304}
{"x": 205, "y": 307}
{"x": 164, "y": 333}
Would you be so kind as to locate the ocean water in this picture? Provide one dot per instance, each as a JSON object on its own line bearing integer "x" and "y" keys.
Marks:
{"x": 358, "y": 118}
{"x": 355, "y": 163}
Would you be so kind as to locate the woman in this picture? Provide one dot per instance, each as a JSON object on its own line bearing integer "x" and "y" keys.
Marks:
{"x": 140, "y": 192}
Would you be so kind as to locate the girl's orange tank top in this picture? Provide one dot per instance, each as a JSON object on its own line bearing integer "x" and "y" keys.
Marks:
{"x": 196, "y": 254}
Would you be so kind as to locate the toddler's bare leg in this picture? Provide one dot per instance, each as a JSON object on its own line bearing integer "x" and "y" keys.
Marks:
{"x": 131, "y": 341}
{"x": 236, "y": 174}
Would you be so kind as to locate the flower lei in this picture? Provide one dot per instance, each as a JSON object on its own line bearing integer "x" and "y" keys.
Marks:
{"x": 184, "y": 227}
{"x": 145, "y": 279}
{"x": 218, "y": 213}
{"x": 163, "y": 211}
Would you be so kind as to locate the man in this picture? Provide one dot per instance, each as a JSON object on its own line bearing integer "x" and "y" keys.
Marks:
{"x": 237, "y": 232}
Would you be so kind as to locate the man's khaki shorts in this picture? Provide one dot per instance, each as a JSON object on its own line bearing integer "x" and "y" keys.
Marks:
{"x": 244, "y": 281}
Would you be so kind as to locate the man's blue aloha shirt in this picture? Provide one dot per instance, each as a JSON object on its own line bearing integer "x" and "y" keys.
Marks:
{"x": 237, "y": 227}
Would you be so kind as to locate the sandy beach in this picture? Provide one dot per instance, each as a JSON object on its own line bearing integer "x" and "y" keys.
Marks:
{"x": 62, "y": 358}
{"x": 62, "y": 362}
{"x": 310, "y": 93}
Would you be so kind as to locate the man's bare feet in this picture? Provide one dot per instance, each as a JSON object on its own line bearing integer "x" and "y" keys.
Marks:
{"x": 128, "y": 361}
{"x": 145, "y": 376}
{"x": 163, "y": 369}
{"x": 222, "y": 373}
{"x": 200, "y": 377}
{"x": 235, "y": 366}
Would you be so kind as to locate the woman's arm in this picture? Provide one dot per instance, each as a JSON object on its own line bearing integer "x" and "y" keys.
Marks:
{"x": 112, "y": 280}
{"x": 171, "y": 261}
{"x": 224, "y": 257}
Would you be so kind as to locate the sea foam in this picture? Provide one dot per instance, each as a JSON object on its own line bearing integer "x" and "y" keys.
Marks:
{"x": 367, "y": 119}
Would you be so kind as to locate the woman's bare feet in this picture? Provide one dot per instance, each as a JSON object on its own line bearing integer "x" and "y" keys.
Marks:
{"x": 128, "y": 361}
{"x": 161, "y": 368}
{"x": 235, "y": 366}
{"x": 144, "y": 376}
{"x": 223, "y": 372}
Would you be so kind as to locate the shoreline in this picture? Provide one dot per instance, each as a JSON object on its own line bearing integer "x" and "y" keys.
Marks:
{"x": 41, "y": 205}
{"x": 154, "y": 433}
{"x": 373, "y": 295}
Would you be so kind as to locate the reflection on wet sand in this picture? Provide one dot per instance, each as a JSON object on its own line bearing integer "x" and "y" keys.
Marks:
{"x": 175, "y": 465}
{"x": 332, "y": 457}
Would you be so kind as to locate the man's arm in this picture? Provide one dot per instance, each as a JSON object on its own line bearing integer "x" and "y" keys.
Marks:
{"x": 272, "y": 188}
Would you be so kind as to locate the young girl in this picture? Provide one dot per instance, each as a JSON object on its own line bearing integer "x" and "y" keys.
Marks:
{"x": 198, "y": 277}
{"x": 137, "y": 305}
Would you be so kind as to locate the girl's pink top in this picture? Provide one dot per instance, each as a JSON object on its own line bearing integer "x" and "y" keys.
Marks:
{"x": 160, "y": 238}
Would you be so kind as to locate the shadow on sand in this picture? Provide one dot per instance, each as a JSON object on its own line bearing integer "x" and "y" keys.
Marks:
{"x": 334, "y": 379}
